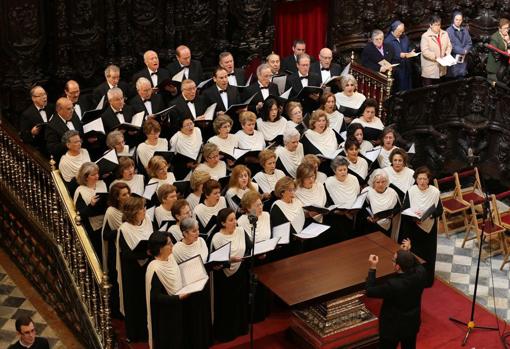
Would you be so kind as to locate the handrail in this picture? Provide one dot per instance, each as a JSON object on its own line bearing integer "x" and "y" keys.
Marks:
{"x": 37, "y": 191}
{"x": 80, "y": 231}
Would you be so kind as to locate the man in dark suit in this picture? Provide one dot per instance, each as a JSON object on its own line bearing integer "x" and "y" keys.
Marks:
{"x": 223, "y": 94}
{"x": 38, "y": 112}
{"x": 112, "y": 75}
{"x": 274, "y": 62}
{"x": 146, "y": 100}
{"x": 262, "y": 89}
{"x": 152, "y": 71}
{"x": 81, "y": 103}
{"x": 117, "y": 112}
{"x": 63, "y": 120}
{"x": 399, "y": 321}
{"x": 192, "y": 68}
{"x": 188, "y": 104}
{"x": 289, "y": 62}
{"x": 376, "y": 52}
{"x": 325, "y": 68}
{"x": 235, "y": 75}
{"x": 301, "y": 79}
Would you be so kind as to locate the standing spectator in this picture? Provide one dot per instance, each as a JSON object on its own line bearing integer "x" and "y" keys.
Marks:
{"x": 434, "y": 44}
{"x": 461, "y": 45}
{"x": 499, "y": 39}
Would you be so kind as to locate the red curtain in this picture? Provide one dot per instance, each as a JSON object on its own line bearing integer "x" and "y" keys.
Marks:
{"x": 303, "y": 19}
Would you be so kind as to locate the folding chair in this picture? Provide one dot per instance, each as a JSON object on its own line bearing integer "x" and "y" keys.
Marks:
{"x": 503, "y": 219}
{"x": 474, "y": 191}
{"x": 491, "y": 229}
{"x": 454, "y": 217}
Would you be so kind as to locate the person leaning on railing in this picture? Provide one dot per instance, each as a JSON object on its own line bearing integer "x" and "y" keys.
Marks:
{"x": 496, "y": 62}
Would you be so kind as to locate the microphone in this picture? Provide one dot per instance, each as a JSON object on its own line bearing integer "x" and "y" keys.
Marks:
{"x": 252, "y": 216}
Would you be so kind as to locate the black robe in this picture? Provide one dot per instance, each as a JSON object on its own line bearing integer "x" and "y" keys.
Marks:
{"x": 423, "y": 244}
{"x": 231, "y": 310}
{"x": 166, "y": 317}
{"x": 133, "y": 287}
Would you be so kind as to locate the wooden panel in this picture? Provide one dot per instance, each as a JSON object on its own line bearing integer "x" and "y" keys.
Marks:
{"x": 332, "y": 270}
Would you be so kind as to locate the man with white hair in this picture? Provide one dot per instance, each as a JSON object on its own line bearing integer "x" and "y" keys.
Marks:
{"x": 32, "y": 118}
{"x": 325, "y": 67}
{"x": 146, "y": 100}
{"x": 262, "y": 89}
{"x": 112, "y": 76}
{"x": 117, "y": 112}
{"x": 152, "y": 71}
{"x": 62, "y": 121}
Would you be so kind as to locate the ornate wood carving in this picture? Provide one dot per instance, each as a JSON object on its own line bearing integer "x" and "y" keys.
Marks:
{"x": 456, "y": 125}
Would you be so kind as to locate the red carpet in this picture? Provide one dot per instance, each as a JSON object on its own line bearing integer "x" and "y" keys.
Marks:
{"x": 437, "y": 331}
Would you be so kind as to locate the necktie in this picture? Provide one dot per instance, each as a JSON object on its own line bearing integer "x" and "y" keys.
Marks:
{"x": 154, "y": 73}
{"x": 231, "y": 74}
{"x": 303, "y": 77}
{"x": 326, "y": 69}
{"x": 190, "y": 101}
{"x": 264, "y": 87}
{"x": 42, "y": 109}
{"x": 222, "y": 91}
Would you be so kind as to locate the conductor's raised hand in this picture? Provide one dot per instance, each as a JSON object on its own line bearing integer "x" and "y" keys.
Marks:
{"x": 372, "y": 261}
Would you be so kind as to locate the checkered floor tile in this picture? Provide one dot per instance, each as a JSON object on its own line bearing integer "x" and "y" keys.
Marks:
{"x": 457, "y": 266}
{"x": 13, "y": 304}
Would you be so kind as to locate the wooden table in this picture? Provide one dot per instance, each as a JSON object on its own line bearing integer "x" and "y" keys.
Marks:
{"x": 334, "y": 270}
{"x": 324, "y": 274}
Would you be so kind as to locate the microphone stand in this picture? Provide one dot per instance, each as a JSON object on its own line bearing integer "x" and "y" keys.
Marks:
{"x": 486, "y": 216}
{"x": 253, "y": 277}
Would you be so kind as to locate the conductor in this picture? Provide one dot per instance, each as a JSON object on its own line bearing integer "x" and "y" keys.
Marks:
{"x": 399, "y": 320}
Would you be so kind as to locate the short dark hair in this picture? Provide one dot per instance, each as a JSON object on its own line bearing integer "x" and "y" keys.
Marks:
{"x": 266, "y": 108}
{"x": 350, "y": 142}
{"x": 405, "y": 260}
{"x": 298, "y": 42}
{"x": 368, "y": 103}
{"x": 22, "y": 321}
{"x": 209, "y": 186}
{"x": 222, "y": 216}
{"x": 157, "y": 240}
{"x": 113, "y": 196}
{"x": 434, "y": 19}
{"x": 423, "y": 169}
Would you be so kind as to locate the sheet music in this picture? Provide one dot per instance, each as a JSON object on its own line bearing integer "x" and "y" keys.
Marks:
{"x": 179, "y": 76}
{"x": 137, "y": 119}
{"x": 282, "y": 232}
{"x": 164, "y": 110}
{"x": 372, "y": 154}
{"x": 203, "y": 83}
{"x": 286, "y": 94}
{"x": 411, "y": 213}
{"x": 312, "y": 231}
{"x": 280, "y": 81}
{"x": 265, "y": 246}
{"x": 413, "y": 54}
{"x": 343, "y": 135}
{"x": 239, "y": 152}
{"x": 150, "y": 189}
{"x": 360, "y": 200}
{"x": 446, "y": 61}
{"x": 209, "y": 112}
{"x": 193, "y": 275}
{"x": 412, "y": 149}
{"x": 96, "y": 125}
{"x": 100, "y": 105}
{"x": 222, "y": 254}
{"x": 111, "y": 156}
{"x": 346, "y": 70}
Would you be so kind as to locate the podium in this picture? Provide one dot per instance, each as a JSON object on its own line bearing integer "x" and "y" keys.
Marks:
{"x": 325, "y": 289}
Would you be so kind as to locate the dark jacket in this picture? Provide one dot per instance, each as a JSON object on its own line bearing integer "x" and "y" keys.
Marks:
{"x": 29, "y": 118}
{"x": 196, "y": 72}
{"x": 102, "y": 89}
{"x": 54, "y": 132}
{"x": 162, "y": 74}
{"x": 255, "y": 88}
{"x": 370, "y": 56}
{"x": 401, "y": 308}
{"x": 157, "y": 102}
{"x": 334, "y": 69}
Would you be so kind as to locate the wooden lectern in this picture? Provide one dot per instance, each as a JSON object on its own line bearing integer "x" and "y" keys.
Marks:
{"x": 325, "y": 287}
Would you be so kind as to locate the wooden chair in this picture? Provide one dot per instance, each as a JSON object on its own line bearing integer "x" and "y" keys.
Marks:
{"x": 372, "y": 84}
{"x": 503, "y": 219}
{"x": 490, "y": 230}
{"x": 454, "y": 217}
{"x": 474, "y": 191}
